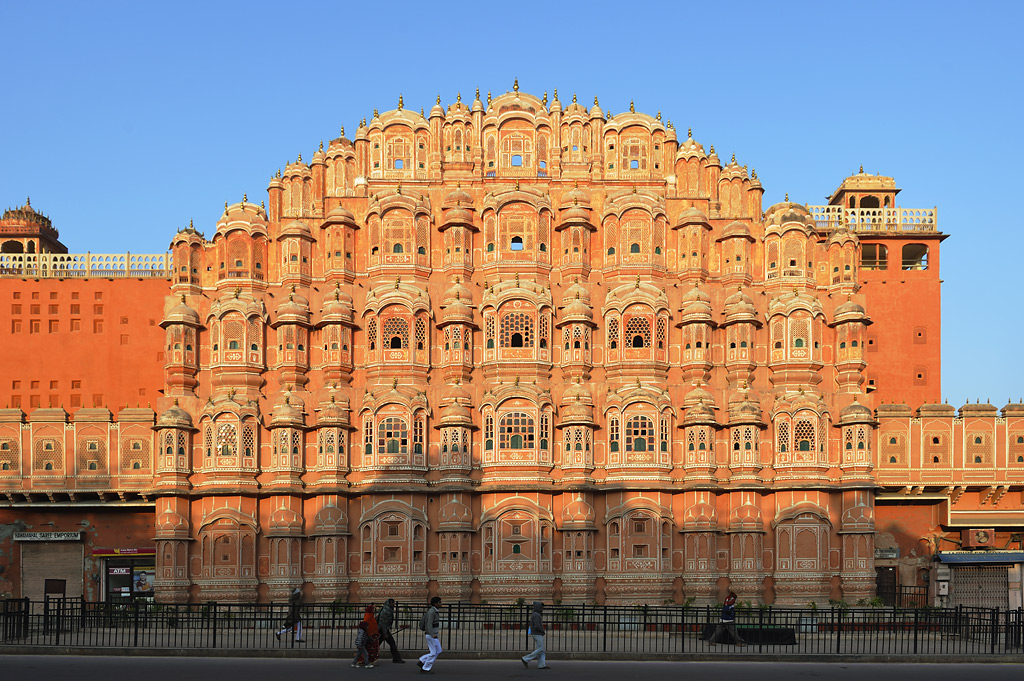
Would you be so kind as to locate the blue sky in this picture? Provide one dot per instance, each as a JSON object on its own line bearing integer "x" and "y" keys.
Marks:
{"x": 123, "y": 121}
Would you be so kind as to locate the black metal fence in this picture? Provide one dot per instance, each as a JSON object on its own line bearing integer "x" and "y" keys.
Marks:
{"x": 502, "y": 629}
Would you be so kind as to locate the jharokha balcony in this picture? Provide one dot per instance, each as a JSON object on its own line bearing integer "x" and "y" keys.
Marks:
{"x": 887, "y": 219}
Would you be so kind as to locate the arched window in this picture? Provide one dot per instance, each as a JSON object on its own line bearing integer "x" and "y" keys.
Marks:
{"x": 397, "y": 248}
{"x": 393, "y": 436}
{"x": 395, "y": 332}
{"x": 513, "y": 325}
{"x": 516, "y": 244}
{"x": 638, "y": 332}
{"x": 634, "y": 248}
{"x": 516, "y": 431}
{"x": 639, "y": 434}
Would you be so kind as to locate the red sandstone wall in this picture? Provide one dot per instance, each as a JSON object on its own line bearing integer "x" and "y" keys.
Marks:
{"x": 81, "y": 343}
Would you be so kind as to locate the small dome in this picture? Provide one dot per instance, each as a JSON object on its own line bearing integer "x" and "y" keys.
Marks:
{"x": 244, "y": 215}
{"x": 341, "y": 214}
{"x": 736, "y": 229}
{"x": 576, "y": 290}
{"x": 455, "y": 414}
{"x": 293, "y": 308}
{"x": 746, "y": 517}
{"x": 698, "y": 395}
{"x": 175, "y": 417}
{"x": 577, "y": 196}
{"x": 454, "y": 514}
{"x": 296, "y": 228}
{"x": 855, "y": 412}
{"x": 456, "y": 392}
{"x": 579, "y": 514}
{"x": 458, "y": 197}
{"x": 330, "y": 521}
{"x": 337, "y": 306}
{"x": 689, "y": 148}
{"x": 334, "y": 413}
{"x": 288, "y": 411}
{"x": 181, "y": 314}
{"x": 696, "y": 305}
{"x": 700, "y": 516}
{"x": 692, "y": 216}
{"x": 577, "y": 412}
{"x": 458, "y": 216}
{"x": 577, "y": 311}
{"x": 170, "y": 525}
{"x": 739, "y": 307}
{"x": 849, "y": 311}
{"x": 285, "y": 521}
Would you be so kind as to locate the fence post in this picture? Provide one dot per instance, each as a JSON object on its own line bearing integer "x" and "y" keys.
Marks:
{"x": 916, "y": 612}
{"x": 994, "y": 623}
{"x": 135, "y": 623}
{"x": 604, "y": 629}
{"x": 448, "y": 646}
{"x": 839, "y": 629}
{"x": 213, "y": 609}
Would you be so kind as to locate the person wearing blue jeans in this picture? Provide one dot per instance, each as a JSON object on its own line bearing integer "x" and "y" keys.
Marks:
{"x": 537, "y": 631}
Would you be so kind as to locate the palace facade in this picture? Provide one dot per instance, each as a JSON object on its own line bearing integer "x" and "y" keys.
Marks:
{"x": 507, "y": 349}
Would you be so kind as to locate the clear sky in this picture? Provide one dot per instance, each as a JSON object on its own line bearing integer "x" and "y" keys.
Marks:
{"x": 123, "y": 121}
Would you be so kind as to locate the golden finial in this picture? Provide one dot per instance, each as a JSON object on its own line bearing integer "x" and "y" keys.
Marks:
{"x": 225, "y": 206}
{"x": 631, "y": 108}
{"x": 689, "y": 133}
{"x": 190, "y": 224}
{"x": 394, "y": 384}
{"x": 544, "y": 101}
{"x": 182, "y": 297}
{"x": 398, "y": 280}
{"x": 300, "y": 159}
{"x": 245, "y": 197}
{"x": 634, "y": 189}
{"x": 637, "y": 281}
{"x": 517, "y": 185}
{"x": 517, "y": 279}
{"x": 733, "y": 157}
{"x": 343, "y": 131}
{"x": 712, "y": 149}
{"x": 488, "y": 98}
{"x": 477, "y": 93}
{"x": 376, "y": 114}
{"x": 517, "y": 381}
{"x": 401, "y": 102}
{"x": 28, "y": 202}
{"x": 861, "y": 168}
{"x": 279, "y": 172}
{"x": 363, "y": 122}
{"x": 238, "y": 292}
{"x": 515, "y": 86}
{"x": 556, "y": 94}
{"x": 422, "y": 115}
{"x": 787, "y": 197}
{"x": 574, "y": 98}
{"x": 262, "y": 206}
{"x": 321, "y": 145}
{"x": 658, "y": 116}
{"x": 399, "y": 189}
{"x": 439, "y": 99}
{"x": 595, "y": 101}
{"x": 458, "y": 100}
{"x": 575, "y": 184}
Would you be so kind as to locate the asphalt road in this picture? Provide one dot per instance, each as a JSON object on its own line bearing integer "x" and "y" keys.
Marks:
{"x": 66, "y": 668}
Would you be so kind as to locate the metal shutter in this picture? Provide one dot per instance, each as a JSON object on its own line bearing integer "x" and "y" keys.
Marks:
{"x": 51, "y": 560}
{"x": 979, "y": 586}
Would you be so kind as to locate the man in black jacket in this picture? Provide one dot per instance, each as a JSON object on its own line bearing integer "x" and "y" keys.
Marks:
{"x": 537, "y": 631}
{"x": 385, "y": 621}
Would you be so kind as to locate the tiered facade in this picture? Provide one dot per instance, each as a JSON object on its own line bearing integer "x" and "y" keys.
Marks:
{"x": 518, "y": 349}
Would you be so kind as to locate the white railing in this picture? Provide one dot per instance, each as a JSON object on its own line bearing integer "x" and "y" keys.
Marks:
{"x": 83, "y": 265}
{"x": 876, "y": 219}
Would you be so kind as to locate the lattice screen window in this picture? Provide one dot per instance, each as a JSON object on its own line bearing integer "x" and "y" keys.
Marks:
{"x": 613, "y": 332}
{"x": 399, "y": 153}
{"x": 417, "y": 435}
{"x": 488, "y": 324}
{"x": 422, "y": 235}
{"x": 208, "y": 440}
{"x": 393, "y": 436}
{"x": 227, "y": 440}
{"x": 664, "y": 434}
{"x": 421, "y": 334}
{"x": 456, "y": 337}
{"x": 516, "y": 330}
{"x": 544, "y": 332}
{"x": 636, "y": 238}
{"x": 704, "y": 440}
{"x": 863, "y": 439}
{"x": 517, "y": 232}
{"x": 234, "y": 335}
{"x": 1016, "y": 448}
{"x": 782, "y": 434}
{"x": 634, "y": 153}
{"x": 516, "y": 150}
{"x": 248, "y": 440}
{"x": 792, "y": 254}
{"x": 545, "y": 429}
{"x": 516, "y": 431}
{"x": 638, "y": 332}
{"x": 91, "y": 454}
{"x": 371, "y": 332}
{"x": 255, "y": 333}
{"x": 798, "y": 333}
{"x": 565, "y": 337}
{"x": 48, "y": 454}
{"x": 662, "y": 333}
{"x": 135, "y": 455}
{"x": 395, "y": 332}
{"x": 489, "y": 431}
{"x": 237, "y": 253}
{"x": 803, "y": 436}
{"x": 329, "y": 441}
{"x": 894, "y": 449}
{"x": 936, "y": 449}
{"x": 398, "y": 235}
{"x": 368, "y": 435}
{"x": 613, "y": 433}
{"x": 639, "y": 434}
{"x": 9, "y": 455}
{"x": 978, "y": 449}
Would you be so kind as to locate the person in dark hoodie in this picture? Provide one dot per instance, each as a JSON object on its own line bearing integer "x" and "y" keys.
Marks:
{"x": 386, "y": 621}
{"x": 294, "y": 619}
{"x": 728, "y": 622}
{"x": 537, "y": 631}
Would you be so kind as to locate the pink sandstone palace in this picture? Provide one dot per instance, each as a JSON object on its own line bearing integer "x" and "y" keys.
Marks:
{"x": 515, "y": 348}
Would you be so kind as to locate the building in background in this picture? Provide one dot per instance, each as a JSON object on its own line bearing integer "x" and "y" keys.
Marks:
{"x": 507, "y": 349}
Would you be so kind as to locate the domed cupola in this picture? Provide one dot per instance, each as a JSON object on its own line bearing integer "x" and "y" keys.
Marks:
{"x": 337, "y": 307}
{"x": 293, "y": 310}
{"x": 695, "y": 307}
{"x": 739, "y": 307}
{"x": 175, "y": 417}
{"x": 288, "y": 411}
{"x": 579, "y": 515}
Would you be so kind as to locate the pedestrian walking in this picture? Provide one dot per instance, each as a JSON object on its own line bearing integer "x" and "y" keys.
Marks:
{"x": 373, "y": 636}
{"x": 430, "y": 623}
{"x": 727, "y": 622}
{"x": 362, "y": 638}
{"x": 537, "y": 631}
{"x": 294, "y": 619}
{"x": 386, "y": 622}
